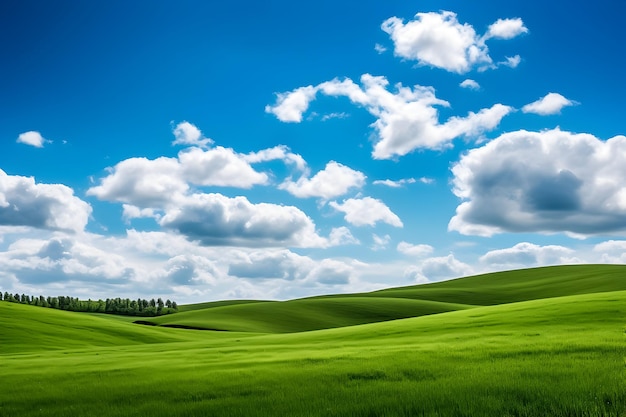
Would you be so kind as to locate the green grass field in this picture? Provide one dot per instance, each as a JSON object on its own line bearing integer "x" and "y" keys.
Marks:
{"x": 541, "y": 342}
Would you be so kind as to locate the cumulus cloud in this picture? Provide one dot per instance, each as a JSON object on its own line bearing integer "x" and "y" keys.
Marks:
{"x": 342, "y": 236}
{"x": 406, "y": 119}
{"x": 219, "y": 166}
{"x": 130, "y": 212}
{"x": 286, "y": 265}
{"x": 439, "y": 40}
{"x": 215, "y": 219}
{"x": 62, "y": 259}
{"x": 438, "y": 269}
{"x": 380, "y": 48}
{"x": 366, "y": 211}
{"x": 552, "y": 103}
{"x": 142, "y": 182}
{"x": 528, "y": 254}
{"x": 506, "y": 29}
{"x": 32, "y": 138}
{"x": 410, "y": 249}
{"x": 155, "y": 182}
{"x": 470, "y": 84}
{"x": 23, "y": 202}
{"x": 189, "y": 135}
{"x": 333, "y": 181}
{"x": 549, "y": 182}
{"x": 290, "y": 106}
{"x": 611, "y": 251}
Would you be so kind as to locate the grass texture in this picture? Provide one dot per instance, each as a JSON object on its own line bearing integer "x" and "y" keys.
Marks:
{"x": 560, "y": 355}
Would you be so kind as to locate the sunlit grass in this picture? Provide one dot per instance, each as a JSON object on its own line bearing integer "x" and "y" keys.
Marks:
{"x": 553, "y": 357}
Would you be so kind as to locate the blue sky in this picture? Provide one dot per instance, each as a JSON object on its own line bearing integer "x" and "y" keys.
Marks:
{"x": 201, "y": 151}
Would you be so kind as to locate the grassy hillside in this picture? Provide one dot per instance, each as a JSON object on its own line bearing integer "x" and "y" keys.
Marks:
{"x": 213, "y": 304}
{"x": 25, "y": 328}
{"x": 552, "y": 357}
{"x": 351, "y": 309}
{"x": 304, "y": 315}
{"x": 518, "y": 285}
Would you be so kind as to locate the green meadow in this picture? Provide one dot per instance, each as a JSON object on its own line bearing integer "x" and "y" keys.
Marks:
{"x": 537, "y": 342}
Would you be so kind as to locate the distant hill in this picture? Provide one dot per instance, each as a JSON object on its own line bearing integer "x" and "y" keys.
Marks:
{"x": 332, "y": 311}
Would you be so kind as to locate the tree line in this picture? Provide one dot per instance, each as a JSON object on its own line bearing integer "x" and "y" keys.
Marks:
{"x": 122, "y": 306}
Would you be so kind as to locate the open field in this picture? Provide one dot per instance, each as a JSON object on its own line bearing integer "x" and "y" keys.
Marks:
{"x": 534, "y": 356}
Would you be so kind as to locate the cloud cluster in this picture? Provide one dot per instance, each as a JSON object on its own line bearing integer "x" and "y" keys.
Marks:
{"x": 331, "y": 182}
{"x": 167, "y": 189}
{"x": 440, "y": 40}
{"x": 526, "y": 254}
{"x": 406, "y": 119}
{"x": 366, "y": 211}
{"x": 215, "y": 219}
{"x": 438, "y": 269}
{"x": 549, "y": 182}
{"x": 23, "y": 202}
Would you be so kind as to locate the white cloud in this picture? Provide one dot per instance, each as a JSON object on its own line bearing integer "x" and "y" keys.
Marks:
{"x": 142, "y": 182}
{"x": 506, "y": 29}
{"x": 280, "y": 152}
{"x": 189, "y": 135}
{"x": 612, "y": 251}
{"x": 470, "y": 84}
{"x": 23, "y": 202}
{"x": 548, "y": 182}
{"x": 405, "y": 120}
{"x": 215, "y": 219}
{"x": 511, "y": 61}
{"x": 341, "y": 236}
{"x": 440, "y": 40}
{"x": 32, "y": 138}
{"x": 395, "y": 184}
{"x": 218, "y": 167}
{"x": 410, "y": 249}
{"x": 133, "y": 212}
{"x": 380, "y": 48}
{"x": 366, "y": 211}
{"x": 333, "y": 181}
{"x": 526, "y": 254}
{"x": 290, "y": 106}
{"x": 156, "y": 182}
{"x": 288, "y": 266}
{"x": 438, "y": 269}
{"x": 330, "y": 116}
{"x": 552, "y": 103}
{"x": 380, "y": 242}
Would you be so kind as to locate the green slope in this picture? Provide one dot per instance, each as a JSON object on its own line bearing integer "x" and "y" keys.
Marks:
{"x": 304, "y": 315}
{"x": 213, "y": 304}
{"x": 551, "y": 357}
{"x": 395, "y": 303}
{"x": 25, "y": 328}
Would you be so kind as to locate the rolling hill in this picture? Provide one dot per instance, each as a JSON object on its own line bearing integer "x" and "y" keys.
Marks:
{"x": 396, "y": 303}
{"x": 558, "y": 355}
